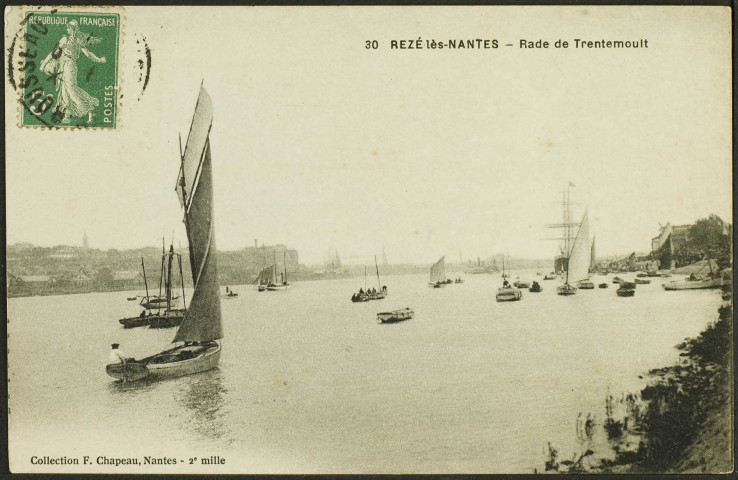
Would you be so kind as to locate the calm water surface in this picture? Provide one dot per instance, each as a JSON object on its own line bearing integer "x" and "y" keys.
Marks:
{"x": 309, "y": 382}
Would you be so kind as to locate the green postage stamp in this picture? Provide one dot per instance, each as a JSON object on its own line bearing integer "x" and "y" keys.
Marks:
{"x": 68, "y": 67}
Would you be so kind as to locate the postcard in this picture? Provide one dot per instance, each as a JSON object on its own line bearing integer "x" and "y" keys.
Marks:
{"x": 369, "y": 239}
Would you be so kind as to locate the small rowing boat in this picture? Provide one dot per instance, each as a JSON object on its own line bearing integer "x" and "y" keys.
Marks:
{"x": 396, "y": 315}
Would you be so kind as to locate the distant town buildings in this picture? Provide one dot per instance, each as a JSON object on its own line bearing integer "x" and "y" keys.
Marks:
{"x": 33, "y": 270}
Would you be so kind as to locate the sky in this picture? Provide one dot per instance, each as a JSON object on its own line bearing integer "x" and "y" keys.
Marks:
{"x": 321, "y": 144}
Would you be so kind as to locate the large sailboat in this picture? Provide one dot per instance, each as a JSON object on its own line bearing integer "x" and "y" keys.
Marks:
{"x": 196, "y": 346}
{"x": 438, "y": 273}
{"x": 579, "y": 258}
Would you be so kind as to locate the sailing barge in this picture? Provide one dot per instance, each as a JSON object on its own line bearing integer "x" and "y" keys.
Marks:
{"x": 196, "y": 341}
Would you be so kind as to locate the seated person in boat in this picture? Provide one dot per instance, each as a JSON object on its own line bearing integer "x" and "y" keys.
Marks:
{"x": 117, "y": 355}
{"x": 384, "y": 288}
{"x": 505, "y": 284}
{"x": 143, "y": 313}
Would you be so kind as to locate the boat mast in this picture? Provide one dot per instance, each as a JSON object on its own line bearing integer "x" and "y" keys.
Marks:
{"x": 161, "y": 275}
{"x": 181, "y": 277}
{"x": 285, "y": 267}
{"x": 274, "y": 269}
{"x": 379, "y": 283}
{"x": 146, "y": 284}
{"x": 365, "y": 277}
{"x": 169, "y": 278}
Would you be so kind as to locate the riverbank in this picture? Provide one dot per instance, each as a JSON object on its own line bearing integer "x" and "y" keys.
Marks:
{"x": 680, "y": 423}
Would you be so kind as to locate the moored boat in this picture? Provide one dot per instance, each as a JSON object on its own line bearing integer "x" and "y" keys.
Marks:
{"x": 585, "y": 285}
{"x": 641, "y": 281}
{"x": 167, "y": 319}
{"x": 521, "y": 284}
{"x": 626, "y": 289}
{"x": 394, "y": 316}
{"x": 535, "y": 287}
{"x": 695, "y": 284}
{"x": 550, "y": 276}
{"x": 167, "y": 314}
{"x": 507, "y": 293}
{"x": 196, "y": 347}
{"x": 604, "y": 285}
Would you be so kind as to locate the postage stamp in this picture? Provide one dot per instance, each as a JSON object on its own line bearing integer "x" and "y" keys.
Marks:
{"x": 68, "y": 69}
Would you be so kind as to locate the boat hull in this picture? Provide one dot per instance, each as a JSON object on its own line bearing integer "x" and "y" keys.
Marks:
{"x": 396, "y": 316}
{"x": 640, "y": 281}
{"x": 508, "y": 295}
{"x": 166, "y": 321}
{"x": 276, "y": 288}
{"x": 694, "y": 284}
{"x": 566, "y": 290}
{"x": 625, "y": 293}
{"x": 167, "y": 364}
{"x": 586, "y": 285}
{"x": 127, "y": 372}
{"x": 135, "y": 322}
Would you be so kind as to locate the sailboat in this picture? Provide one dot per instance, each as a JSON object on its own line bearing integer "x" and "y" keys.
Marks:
{"x": 579, "y": 257}
{"x": 157, "y": 302}
{"x": 438, "y": 274}
{"x": 169, "y": 316}
{"x": 196, "y": 346}
{"x": 143, "y": 319}
{"x": 280, "y": 284}
{"x": 363, "y": 295}
{"x": 380, "y": 292}
{"x": 265, "y": 278}
{"x": 506, "y": 293}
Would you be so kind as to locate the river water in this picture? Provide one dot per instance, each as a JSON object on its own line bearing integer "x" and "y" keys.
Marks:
{"x": 310, "y": 382}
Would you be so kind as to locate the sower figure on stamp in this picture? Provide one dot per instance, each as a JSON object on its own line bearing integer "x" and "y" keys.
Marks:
{"x": 61, "y": 63}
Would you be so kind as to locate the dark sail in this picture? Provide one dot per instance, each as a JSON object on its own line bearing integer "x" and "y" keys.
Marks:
{"x": 195, "y": 188}
{"x": 265, "y": 276}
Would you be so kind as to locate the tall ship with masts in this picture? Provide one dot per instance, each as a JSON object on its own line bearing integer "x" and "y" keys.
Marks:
{"x": 196, "y": 347}
{"x": 578, "y": 261}
{"x": 568, "y": 225}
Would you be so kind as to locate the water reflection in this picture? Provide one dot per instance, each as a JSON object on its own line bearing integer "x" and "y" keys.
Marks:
{"x": 203, "y": 396}
{"x": 131, "y": 389}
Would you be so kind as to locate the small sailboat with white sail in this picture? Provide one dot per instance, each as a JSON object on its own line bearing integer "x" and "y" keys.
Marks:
{"x": 438, "y": 274}
{"x": 196, "y": 346}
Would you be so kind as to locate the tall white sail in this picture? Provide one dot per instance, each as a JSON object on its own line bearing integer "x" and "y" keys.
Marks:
{"x": 580, "y": 254}
{"x": 438, "y": 271}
